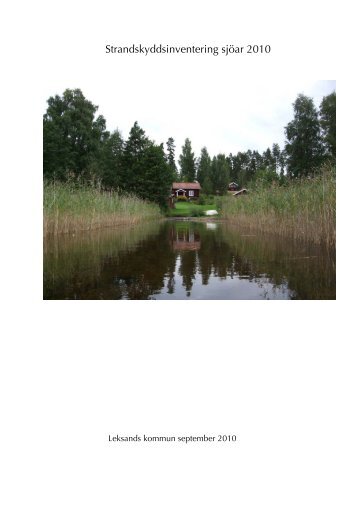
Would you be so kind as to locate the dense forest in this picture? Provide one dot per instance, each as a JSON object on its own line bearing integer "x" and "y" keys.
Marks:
{"x": 78, "y": 147}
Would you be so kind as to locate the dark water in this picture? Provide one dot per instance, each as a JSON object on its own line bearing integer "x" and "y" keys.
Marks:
{"x": 185, "y": 260}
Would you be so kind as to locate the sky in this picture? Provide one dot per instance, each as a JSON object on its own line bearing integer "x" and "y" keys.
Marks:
{"x": 226, "y": 117}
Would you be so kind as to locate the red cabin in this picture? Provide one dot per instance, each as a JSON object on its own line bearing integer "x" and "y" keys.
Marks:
{"x": 189, "y": 190}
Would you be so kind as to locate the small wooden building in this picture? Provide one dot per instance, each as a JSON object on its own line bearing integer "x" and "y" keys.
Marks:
{"x": 243, "y": 191}
{"x": 190, "y": 190}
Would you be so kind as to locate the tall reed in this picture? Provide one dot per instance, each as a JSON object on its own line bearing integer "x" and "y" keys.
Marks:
{"x": 69, "y": 207}
{"x": 302, "y": 209}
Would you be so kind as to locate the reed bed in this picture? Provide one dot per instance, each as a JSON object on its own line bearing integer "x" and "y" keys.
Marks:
{"x": 304, "y": 209}
{"x": 69, "y": 208}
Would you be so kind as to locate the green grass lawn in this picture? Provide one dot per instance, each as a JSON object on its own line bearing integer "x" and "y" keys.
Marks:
{"x": 189, "y": 209}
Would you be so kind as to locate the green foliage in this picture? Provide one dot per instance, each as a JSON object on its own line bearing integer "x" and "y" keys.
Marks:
{"x": 133, "y": 156}
{"x": 213, "y": 175}
{"x": 145, "y": 170}
{"x": 171, "y": 159}
{"x": 77, "y": 147}
{"x": 196, "y": 212}
{"x": 205, "y": 199}
{"x": 240, "y": 168}
{"x": 111, "y": 163}
{"x": 188, "y": 209}
{"x": 220, "y": 174}
{"x": 72, "y": 136}
{"x": 187, "y": 162}
{"x": 204, "y": 166}
{"x": 328, "y": 123}
{"x": 182, "y": 198}
{"x": 265, "y": 178}
{"x": 304, "y": 147}
{"x": 155, "y": 176}
{"x": 268, "y": 160}
{"x": 218, "y": 203}
{"x": 207, "y": 186}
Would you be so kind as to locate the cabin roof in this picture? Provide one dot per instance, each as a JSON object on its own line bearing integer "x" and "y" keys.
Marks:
{"x": 242, "y": 191}
{"x": 186, "y": 186}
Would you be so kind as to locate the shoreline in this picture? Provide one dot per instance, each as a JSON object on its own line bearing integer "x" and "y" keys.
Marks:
{"x": 276, "y": 227}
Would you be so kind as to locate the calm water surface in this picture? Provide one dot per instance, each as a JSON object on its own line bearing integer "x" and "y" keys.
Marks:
{"x": 185, "y": 260}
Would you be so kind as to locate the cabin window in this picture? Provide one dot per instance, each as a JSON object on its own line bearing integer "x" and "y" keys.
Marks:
{"x": 191, "y": 193}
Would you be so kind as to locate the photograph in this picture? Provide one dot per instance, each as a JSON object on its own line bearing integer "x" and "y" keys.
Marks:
{"x": 243, "y": 209}
{"x": 159, "y": 153}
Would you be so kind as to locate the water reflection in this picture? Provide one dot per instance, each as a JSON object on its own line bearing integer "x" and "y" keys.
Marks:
{"x": 184, "y": 260}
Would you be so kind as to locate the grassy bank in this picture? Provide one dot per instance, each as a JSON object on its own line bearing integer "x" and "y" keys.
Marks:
{"x": 189, "y": 209}
{"x": 304, "y": 209}
{"x": 69, "y": 208}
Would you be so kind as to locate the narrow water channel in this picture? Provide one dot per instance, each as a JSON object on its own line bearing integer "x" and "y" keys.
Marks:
{"x": 185, "y": 260}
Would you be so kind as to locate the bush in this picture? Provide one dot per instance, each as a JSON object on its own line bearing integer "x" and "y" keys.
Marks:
{"x": 205, "y": 199}
{"x": 182, "y": 198}
{"x": 197, "y": 213}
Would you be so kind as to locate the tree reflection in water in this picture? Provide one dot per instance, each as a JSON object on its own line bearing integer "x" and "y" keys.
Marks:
{"x": 184, "y": 259}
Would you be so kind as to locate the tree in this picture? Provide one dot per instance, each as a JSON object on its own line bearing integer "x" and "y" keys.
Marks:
{"x": 133, "y": 154}
{"x": 145, "y": 171}
{"x": 328, "y": 123}
{"x": 276, "y": 155}
{"x": 155, "y": 176}
{"x": 112, "y": 161}
{"x": 72, "y": 136}
{"x": 220, "y": 174}
{"x": 204, "y": 166}
{"x": 268, "y": 160}
{"x": 171, "y": 158}
{"x": 304, "y": 149}
{"x": 187, "y": 162}
{"x": 232, "y": 167}
{"x": 266, "y": 177}
{"x": 254, "y": 163}
{"x": 241, "y": 168}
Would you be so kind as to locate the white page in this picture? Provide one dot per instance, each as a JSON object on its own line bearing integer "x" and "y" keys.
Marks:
{"x": 281, "y": 377}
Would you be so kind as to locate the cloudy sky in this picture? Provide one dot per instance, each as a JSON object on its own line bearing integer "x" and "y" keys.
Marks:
{"x": 228, "y": 118}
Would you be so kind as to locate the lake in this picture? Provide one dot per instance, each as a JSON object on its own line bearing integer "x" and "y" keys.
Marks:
{"x": 185, "y": 259}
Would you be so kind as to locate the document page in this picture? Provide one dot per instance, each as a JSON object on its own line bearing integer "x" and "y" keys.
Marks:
{"x": 177, "y": 328}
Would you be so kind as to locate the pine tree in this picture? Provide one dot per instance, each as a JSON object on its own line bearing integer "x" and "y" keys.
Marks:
{"x": 155, "y": 176}
{"x": 171, "y": 159}
{"x": 220, "y": 173}
{"x": 187, "y": 162}
{"x": 145, "y": 171}
{"x": 268, "y": 161}
{"x": 112, "y": 161}
{"x": 204, "y": 166}
{"x": 133, "y": 153}
{"x": 241, "y": 168}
